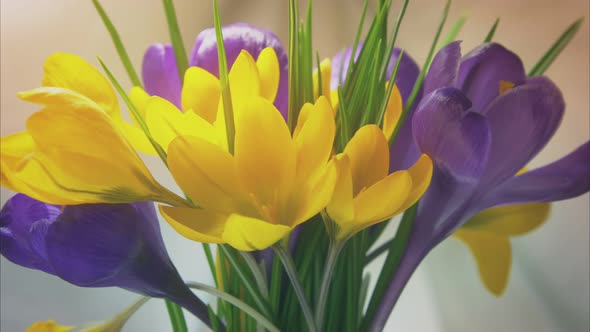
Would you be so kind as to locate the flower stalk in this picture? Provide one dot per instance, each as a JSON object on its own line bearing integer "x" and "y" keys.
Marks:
{"x": 283, "y": 252}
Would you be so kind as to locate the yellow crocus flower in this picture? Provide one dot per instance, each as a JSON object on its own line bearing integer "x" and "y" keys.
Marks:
{"x": 202, "y": 107}
{"x": 487, "y": 235}
{"x": 273, "y": 182}
{"x": 72, "y": 153}
{"x": 365, "y": 193}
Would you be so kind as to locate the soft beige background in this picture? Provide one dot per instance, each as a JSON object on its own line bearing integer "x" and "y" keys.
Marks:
{"x": 549, "y": 289}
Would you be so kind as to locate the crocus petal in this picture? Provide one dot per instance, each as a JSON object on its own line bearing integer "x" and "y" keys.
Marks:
{"x": 160, "y": 73}
{"x": 247, "y": 234}
{"x": 458, "y": 141}
{"x": 369, "y": 157}
{"x": 493, "y": 255}
{"x": 522, "y": 120}
{"x": 196, "y": 224}
{"x": 209, "y": 177}
{"x": 23, "y": 225}
{"x": 139, "y": 98}
{"x": 269, "y": 70}
{"x": 238, "y": 37}
{"x": 48, "y": 326}
{"x": 264, "y": 152}
{"x": 200, "y": 93}
{"x": 482, "y": 70}
{"x": 443, "y": 70}
{"x": 69, "y": 71}
{"x": 510, "y": 219}
{"x": 313, "y": 195}
{"x": 165, "y": 122}
{"x": 565, "y": 178}
{"x": 244, "y": 79}
{"x": 382, "y": 200}
{"x": 393, "y": 112}
{"x": 323, "y": 74}
{"x": 314, "y": 137}
{"x": 92, "y": 164}
{"x": 341, "y": 206}
{"x": 421, "y": 173}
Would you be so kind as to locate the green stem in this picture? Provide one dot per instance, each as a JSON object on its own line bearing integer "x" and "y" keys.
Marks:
{"x": 333, "y": 252}
{"x": 236, "y": 302}
{"x": 260, "y": 302}
{"x": 255, "y": 269}
{"x": 176, "y": 317}
{"x": 289, "y": 265}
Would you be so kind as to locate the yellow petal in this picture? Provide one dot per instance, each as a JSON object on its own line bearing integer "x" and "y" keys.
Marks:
{"x": 205, "y": 172}
{"x": 382, "y": 200}
{"x": 325, "y": 73}
{"x": 70, "y": 71}
{"x": 314, "y": 138}
{"x": 200, "y": 92}
{"x": 135, "y": 136}
{"x": 51, "y": 96}
{"x": 247, "y": 234}
{"x": 421, "y": 173}
{"x": 392, "y": 112}
{"x": 165, "y": 122}
{"x": 511, "y": 219}
{"x": 48, "y": 326}
{"x": 139, "y": 98}
{"x": 268, "y": 67}
{"x": 199, "y": 225}
{"x": 313, "y": 195}
{"x": 341, "y": 206}
{"x": 80, "y": 157}
{"x": 265, "y": 154}
{"x": 244, "y": 79}
{"x": 492, "y": 253}
{"x": 369, "y": 157}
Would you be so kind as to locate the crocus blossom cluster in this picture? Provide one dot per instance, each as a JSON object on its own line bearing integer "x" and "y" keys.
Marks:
{"x": 85, "y": 204}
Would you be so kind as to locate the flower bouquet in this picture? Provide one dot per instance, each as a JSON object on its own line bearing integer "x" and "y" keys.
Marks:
{"x": 291, "y": 166}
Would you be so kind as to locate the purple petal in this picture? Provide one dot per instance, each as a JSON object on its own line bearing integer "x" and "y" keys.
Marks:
{"x": 565, "y": 178}
{"x": 482, "y": 69}
{"x": 457, "y": 140}
{"x": 238, "y": 37}
{"x": 160, "y": 73}
{"x": 23, "y": 225}
{"x": 522, "y": 121}
{"x": 443, "y": 70}
{"x": 340, "y": 64}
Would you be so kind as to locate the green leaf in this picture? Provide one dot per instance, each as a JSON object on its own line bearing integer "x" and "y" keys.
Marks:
{"x": 250, "y": 287}
{"x": 224, "y": 81}
{"x": 422, "y": 74}
{"x": 135, "y": 112}
{"x": 176, "y": 38}
{"x": 118, "y": 44}
{"x": 547, "y": 59}
{"x": 390, "y": 266}
{"x": 454, "y": 32}
{"x": 176, "y": 317}
{"x": 294, "y": 94}
{"x": 492, "y": 31}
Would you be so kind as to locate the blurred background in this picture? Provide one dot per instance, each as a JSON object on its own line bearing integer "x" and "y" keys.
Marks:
{"x": 549, "y": 288}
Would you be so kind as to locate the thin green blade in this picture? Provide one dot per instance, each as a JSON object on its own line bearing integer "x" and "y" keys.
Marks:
{"x": 118, "y": 44}
{"x": 547, "y": 59}
{"x": 176, "y": 38}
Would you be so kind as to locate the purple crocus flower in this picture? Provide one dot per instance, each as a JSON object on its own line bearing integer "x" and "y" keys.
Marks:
{"x": 95, "y": 245}
{"x": 481, "y": 121}
{"x": 160, "y": 75}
